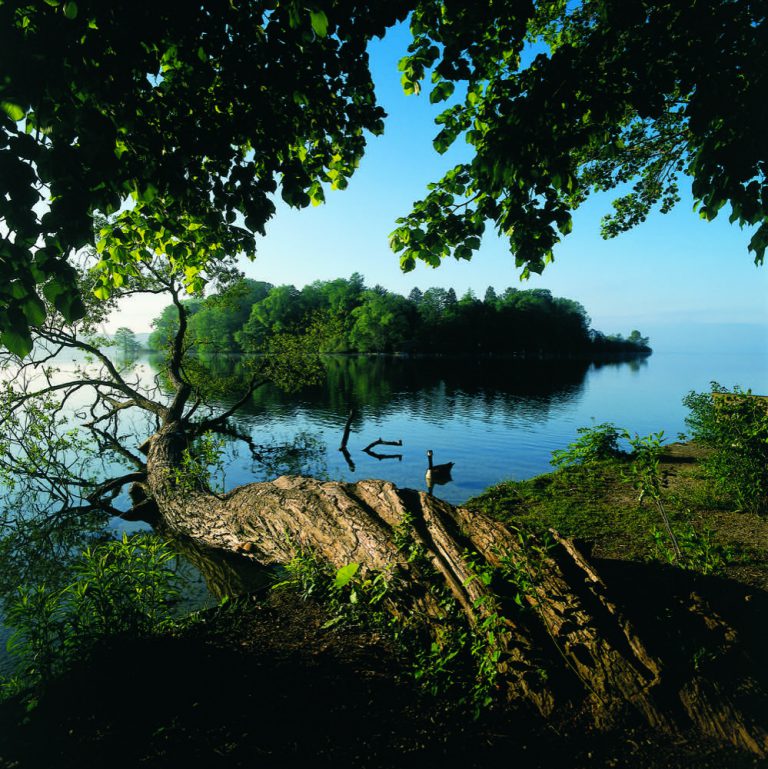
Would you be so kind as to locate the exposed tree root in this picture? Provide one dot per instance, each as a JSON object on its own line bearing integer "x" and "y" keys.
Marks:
{"x": 573, "y": 643}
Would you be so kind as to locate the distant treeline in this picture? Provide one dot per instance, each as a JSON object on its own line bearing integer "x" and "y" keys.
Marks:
{"x": 361, "y": 319}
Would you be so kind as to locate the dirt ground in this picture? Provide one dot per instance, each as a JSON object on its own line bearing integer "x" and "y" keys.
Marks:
{"x": 266, "y": 685}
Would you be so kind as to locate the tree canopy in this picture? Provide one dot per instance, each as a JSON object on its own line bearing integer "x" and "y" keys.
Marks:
{"x": 634, "y": 92}
{"x": 181, "y": 128}
{"x": 178, "y": 126}
{"x": 246, "y": 315}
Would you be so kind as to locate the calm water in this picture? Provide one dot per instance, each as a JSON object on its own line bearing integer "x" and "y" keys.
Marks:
{"x": 495, "y": 419}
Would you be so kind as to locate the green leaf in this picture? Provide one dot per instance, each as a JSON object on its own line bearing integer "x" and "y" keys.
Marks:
{"x": 319, "y": 23}
{"x": 344, "y": 574}
{"x": 17, "y": 341}
{"x": 34, "y": 310}
{"x": 148, "y": 194}
{"x": 441, "y": 91}
{"x": 52, "y": 289}
{"x": 14, "y": 111}
{"x": 71, "y": 307}
{"x": 70, "y": 10}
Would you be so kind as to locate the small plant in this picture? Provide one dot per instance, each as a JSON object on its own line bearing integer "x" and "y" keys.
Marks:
{"x": 307, "y": 575}
{"x": 404, "y": 541}
{"x": 648, "y": 479}
{"x": 202, "y": 465}
{"x": 435, "y": 665}
{"x": 486, "y": 646}
{"x": 125, "y": 586}
{"x": 522, "y": 570}
{"x": 594, "y": 444}
{"x": 350, "y": 595}
{"x": 699, "y": 551}
{"x": 734, "y": 424}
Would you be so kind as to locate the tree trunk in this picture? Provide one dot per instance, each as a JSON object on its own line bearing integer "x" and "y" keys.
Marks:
{"x": 565, "y": 641}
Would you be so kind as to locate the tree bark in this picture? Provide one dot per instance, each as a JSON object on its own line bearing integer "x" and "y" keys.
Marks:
{"x": 572, "y": 647}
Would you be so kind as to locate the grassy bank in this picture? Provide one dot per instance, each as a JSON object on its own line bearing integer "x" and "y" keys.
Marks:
{"x": 597, "y": 504}
{"x": 275, "y": 679}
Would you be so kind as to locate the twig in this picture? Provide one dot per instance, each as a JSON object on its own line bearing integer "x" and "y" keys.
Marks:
{"x": 380, "y": 442}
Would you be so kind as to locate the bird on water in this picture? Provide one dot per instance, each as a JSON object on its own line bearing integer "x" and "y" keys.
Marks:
{"x": 438, "y": 473}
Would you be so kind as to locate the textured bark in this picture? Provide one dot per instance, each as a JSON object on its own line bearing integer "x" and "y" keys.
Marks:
{"x": 575, "y": 646}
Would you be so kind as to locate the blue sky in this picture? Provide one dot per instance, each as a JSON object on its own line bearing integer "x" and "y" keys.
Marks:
{"x": 673, "y": 273}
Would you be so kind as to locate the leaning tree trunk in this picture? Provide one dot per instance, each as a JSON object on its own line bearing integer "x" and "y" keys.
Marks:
{"x": 575, "y": 646}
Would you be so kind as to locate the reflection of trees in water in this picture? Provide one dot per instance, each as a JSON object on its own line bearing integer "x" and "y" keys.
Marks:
{"x": 632, "y": 362}
{"x": 433, "y": 388}
{"x": 36, "y": 548}
{"x": 300, "y": 454}
{"x": 488, "y": 389}
{"x": 426, "y": 389}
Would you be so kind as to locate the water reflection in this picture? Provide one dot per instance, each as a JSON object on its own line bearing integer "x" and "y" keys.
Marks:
{"x": 479, "y": 411}
{"x": 434, "y": 388}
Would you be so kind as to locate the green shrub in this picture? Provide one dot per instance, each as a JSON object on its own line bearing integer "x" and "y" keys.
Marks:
{"x": 734, "y": 424}
{"x": 125, "y": 586}
{"x": 593, "y": 445}
{"x": 699, "y": 550}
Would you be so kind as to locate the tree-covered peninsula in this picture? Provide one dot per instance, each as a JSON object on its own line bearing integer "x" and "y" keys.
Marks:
{"x": 354, "y": 318}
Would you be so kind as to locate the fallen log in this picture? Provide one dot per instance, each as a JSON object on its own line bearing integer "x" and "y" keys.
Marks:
{"x": 559, "y": 638}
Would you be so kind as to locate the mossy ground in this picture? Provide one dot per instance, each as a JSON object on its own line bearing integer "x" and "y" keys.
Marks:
{"x": 595, "y": 504}
{"x": 265, "y": 682}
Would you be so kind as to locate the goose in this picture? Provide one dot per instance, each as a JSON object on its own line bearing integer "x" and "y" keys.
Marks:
{"x": 438, "y": 473}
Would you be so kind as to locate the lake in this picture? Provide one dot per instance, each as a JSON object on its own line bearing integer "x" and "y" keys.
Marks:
{"x": 495, "y": 419}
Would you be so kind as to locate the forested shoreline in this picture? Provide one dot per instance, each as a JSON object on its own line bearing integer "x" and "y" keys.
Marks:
{"x": 354, "y": 318}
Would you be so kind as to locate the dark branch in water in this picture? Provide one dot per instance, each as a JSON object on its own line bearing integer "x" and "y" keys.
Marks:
{"x": 113, "y": 485}
{"x": 345, "y": 453}
{"x": 376, "y": 455}
{"x": 345, "y": 436}
{"x": 380, "y": 442}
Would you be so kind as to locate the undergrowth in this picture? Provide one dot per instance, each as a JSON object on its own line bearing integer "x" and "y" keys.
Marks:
{"x": 639, "y": 504}
{"x": 445, "y": 655}
{"x": 121, "y": 587}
